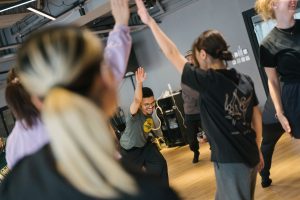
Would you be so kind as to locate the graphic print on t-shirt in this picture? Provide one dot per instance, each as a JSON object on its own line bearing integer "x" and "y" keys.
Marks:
{"x": 236, "y": 107}
{"x": 148, "y": 125}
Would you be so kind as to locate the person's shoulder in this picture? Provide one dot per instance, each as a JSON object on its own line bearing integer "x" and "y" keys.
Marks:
{"x": 245, "y": 76}
{"x": 25, "y": 176}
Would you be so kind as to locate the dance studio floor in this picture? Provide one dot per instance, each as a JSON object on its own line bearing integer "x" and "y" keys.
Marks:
{"x": 196, "y": 181}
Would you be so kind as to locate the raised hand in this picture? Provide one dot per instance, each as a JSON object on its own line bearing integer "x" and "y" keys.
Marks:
{"x": 142, "y": 12}
{"x": 120, "y": 11}
{"x": 140, "y": 75}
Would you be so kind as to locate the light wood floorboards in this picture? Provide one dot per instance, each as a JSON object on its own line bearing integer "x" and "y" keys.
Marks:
{"x": 197, "y": 181}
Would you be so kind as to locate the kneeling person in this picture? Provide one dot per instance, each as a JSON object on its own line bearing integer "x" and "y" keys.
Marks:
{"x": 136, "y": 147}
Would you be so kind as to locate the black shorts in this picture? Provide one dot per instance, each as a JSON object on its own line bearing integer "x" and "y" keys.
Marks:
{"x": 291, "y": 105}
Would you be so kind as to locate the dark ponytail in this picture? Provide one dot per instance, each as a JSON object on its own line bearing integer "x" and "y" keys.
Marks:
{"x": 226, "y": 55}
{"x": 214, "y": 44}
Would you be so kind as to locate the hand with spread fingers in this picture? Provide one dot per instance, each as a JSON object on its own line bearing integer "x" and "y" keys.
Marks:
{"x": 140, "y": 75}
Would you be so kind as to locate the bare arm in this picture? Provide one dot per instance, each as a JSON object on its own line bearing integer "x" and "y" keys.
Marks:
{"x": 140, "y": 77}
{"x": 275, "y": 93}
{"x": 257, "y": 125}
{"x": 168, "y": 47}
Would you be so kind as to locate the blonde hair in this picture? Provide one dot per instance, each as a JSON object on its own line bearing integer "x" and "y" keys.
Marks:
{"x": 49, "y": 64}
{"x": 264, "y": 9}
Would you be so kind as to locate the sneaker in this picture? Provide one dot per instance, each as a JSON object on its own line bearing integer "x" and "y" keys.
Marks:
{"x": 266, "y": 182}
{"x": 196, "y": 157}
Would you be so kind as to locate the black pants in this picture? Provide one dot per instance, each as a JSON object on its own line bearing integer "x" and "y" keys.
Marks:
{"x": 148, "y": 157}
{"x": 193, "y": 127}
{"x": 271, "y": 134}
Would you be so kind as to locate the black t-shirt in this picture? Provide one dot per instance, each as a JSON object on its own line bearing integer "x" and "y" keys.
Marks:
{"x": 36, "y": 178}
{"x": 226, "y": 100}
{"x": 281, "y": 50}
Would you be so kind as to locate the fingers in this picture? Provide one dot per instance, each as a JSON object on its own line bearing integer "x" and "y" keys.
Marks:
{"x": 285, "y": 124}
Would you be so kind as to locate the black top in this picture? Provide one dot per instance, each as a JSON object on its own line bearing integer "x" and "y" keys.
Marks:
{"x": 226, "y": 100}
{"x": 35, "y": 177}
{"x": 281, "y": 50}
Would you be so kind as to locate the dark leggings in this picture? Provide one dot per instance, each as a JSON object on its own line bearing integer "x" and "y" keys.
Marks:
{"x": 148, "y": 157}
{"x": 193, "y": 127}
{"x": 271, "y": 134}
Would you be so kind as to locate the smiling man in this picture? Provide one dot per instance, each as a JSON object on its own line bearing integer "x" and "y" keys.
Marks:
{"x": 137, "y": 148}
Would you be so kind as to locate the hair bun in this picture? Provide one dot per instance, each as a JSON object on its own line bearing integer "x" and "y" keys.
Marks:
{"x": 226, "y": 55}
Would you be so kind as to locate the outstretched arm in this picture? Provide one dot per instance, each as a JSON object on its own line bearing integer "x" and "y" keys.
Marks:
{"x": 168, "y": 47}
{"x": 140, "y": 77}
{"x": 119, "y": 40}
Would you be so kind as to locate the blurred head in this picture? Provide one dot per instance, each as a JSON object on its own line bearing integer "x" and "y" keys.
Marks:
{"x": 64, "y": 66}
{"x": 67, "y": 58}
{"x": 210, "y": 47}
{"x": 148, "y": 101}
{"x": 189, "y": 56}
{"x": 19, "y": 101}
{"x": 276, "y": 9}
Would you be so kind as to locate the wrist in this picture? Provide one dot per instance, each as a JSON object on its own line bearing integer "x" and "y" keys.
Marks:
{"x": 121, "y": 23}
{"x": 279, "y": 114}
{"x": 139, "y": 83}
{"x": 151, "y": 22}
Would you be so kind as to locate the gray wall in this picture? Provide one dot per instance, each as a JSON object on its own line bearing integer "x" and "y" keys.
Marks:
{"x": 183, "y": 26}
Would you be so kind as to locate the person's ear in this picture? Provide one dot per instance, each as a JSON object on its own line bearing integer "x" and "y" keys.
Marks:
{"x": 274, "y": 4}
{"x": 37, "y": 102}
{"x": 203, "y": 54}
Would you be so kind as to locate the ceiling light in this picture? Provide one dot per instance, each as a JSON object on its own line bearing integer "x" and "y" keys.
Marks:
{"x": 15, "y": 6}
{"x": 41, "y": 13}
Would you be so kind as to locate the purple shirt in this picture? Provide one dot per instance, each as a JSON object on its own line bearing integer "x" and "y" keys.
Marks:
{"x": 22, "y": 142}
{"x": 117, "y": 50}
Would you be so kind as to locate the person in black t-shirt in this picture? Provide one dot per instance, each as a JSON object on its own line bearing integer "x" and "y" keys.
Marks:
{"x": 280, "y": 55}
{"x": 64, "y": 66}
{"x": 229, "y": 109}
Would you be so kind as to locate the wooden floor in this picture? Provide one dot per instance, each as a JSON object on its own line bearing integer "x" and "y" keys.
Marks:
{"x": 197, "y": 181}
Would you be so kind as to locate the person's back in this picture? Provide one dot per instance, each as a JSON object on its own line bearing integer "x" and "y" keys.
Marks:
{"x": 78, "y": 96}
{"x": 228, "y": 108}
{"x": 47, "y": 183}
{"x": 226, "y": 114}
{"x": 28, "y": 134}
{"x": 24, "y": 141}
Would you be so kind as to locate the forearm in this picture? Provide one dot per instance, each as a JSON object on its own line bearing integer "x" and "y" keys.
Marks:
{"x": 167, "y": 46}
{"x": 257, "y": 125}
{"x": 138, "y": 93}
{"x": 117, "y": 50}
{"x": 138, "y": 96}
{"x": 275, "y": 93}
